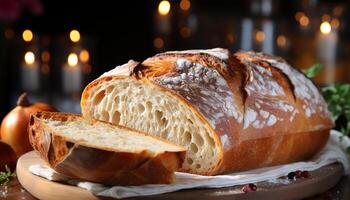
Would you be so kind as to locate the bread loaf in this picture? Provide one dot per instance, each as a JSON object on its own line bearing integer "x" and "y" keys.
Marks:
{"x": 100, "y": 152}
{"x": 231, "y": 111}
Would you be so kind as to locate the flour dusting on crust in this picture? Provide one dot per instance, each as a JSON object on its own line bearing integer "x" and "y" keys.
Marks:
{"x": 222, "y": 54}
{"x": 204, "y": 88}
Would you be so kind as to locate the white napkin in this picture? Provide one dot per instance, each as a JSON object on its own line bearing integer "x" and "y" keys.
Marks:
{"x": 333, "y": 152}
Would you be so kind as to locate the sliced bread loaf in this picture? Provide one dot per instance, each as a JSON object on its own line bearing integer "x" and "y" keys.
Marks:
{"x": 232, "y": 111}
{"x": 100, "y": 152}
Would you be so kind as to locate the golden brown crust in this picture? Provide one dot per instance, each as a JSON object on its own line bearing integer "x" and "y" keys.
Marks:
{"x": 100, "y": 165}
{"x": 269, "y": 112}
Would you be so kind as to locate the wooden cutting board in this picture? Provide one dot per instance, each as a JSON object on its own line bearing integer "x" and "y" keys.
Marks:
{"x": 321, "y": 180}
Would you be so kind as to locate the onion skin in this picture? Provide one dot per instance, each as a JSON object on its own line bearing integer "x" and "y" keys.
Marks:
{"x": 14, "y": 126}
{"x": 7, "y": 157}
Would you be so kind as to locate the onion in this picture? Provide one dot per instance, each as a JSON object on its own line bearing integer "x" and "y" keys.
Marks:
{"x": 14, "y": 125}
{"x": 7, "y": 157}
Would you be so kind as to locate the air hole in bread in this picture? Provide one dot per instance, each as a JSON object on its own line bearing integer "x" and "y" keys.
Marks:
{"x": 198, "y": 166}
{"x": 33, "y": 132}
{"x": 193, "y": 148}
{"x": 187, "y": 137}
{"x": 31, "y": 120}
{"x": 210, "y": 141}
{"x": 189, "y": 161}
{"x": 149, "y": 106}
{"x": 164, "y": 121}
{"x": 141, "y": 108}
{"x": 159, "y": 115}
{"x": 189, "y": 120}
{"x": 116, "y": 100}
{"x": 164, "y": 134}
{"x": 116, "y": 117}
{"x": 99, "y": 96}
{"x": 108, "y": 78}
{"x": 198, "y": 139}
{"x": 105, "y": 115}
{"x": 109, "y": 89}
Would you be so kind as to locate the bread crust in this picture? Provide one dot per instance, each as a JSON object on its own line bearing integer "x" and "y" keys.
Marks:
{"x": 78, "y": 160}
{"x": 276, "y": 116}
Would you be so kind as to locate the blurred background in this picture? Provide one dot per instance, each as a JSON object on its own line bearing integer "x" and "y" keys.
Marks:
{"x": 52, "y": 49}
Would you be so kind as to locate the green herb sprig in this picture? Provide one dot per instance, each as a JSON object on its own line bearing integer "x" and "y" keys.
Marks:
{"x": 6, "y": 176}
{"x": 312, "y": 71}
{"x": 337, "y": 97}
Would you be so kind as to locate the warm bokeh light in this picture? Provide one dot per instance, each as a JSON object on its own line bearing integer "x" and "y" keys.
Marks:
{"x": 164, "y": 7}
{"x": 84, "y": 56}
{"x": 260, "y": 36}
{"x": 27, "y": 35}
{"x": 158, "y": 43}
{"x": 304, "y": 21}
{"x": 185, "y": 32}
{"x": 9, "y": 33}
{"x": 72, "y": 59}
{"x": 230, "y": 37}
{"x": 45, "y": 69}
{"x": 299, "y": 15}
{"x": 325, "y": 28}
{"x": 185, "y": 4}
{"x": 335, "y": 23}
{"x": 29, "y": 57}
{"x": 45, "y": 56}
{"x": 281, "y": 41}
{"x": 87, "y": 69}
{"x": 326, "y": 18}
{"x": 74, "y": 36}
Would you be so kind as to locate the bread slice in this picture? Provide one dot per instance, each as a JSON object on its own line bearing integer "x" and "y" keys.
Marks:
{"x": 231, "y": 111}
{"x": 100, "y": 152}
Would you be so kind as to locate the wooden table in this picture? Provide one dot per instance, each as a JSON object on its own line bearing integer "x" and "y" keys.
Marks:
{"x": 16, "y": 192}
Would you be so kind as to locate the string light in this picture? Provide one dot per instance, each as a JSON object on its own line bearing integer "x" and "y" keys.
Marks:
{"x": 185, "y": 32}
{"x": 9, "y": 33}
{"x": 27, "y": 35}
{"x": 281, "y": 41}
{"x": 325, "y": 28}
{"x": 158, "y": 43}
{"x": 29, "y": 57}
{"x": 45, "y": 56}
{"x": 335, "y": 23}
{"x": 260, "y": 36}
{"x": 185, "y": 5}
{"x": 304, "y": 21}
{"x": 74, "y": 36}
{"x": 84, "y": 56}
{"x": 164, "y": 7}
{"x": 230, "y": 38}
{"x": 72, "y": 59}
{"x": 298, "y": 15}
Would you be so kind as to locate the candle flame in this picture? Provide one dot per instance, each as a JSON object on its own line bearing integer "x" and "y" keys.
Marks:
{"x": 27, "y": 35}
{"x": 29, "y": 58}
{"x": 164, "y": 7}
{"x": 74, "y": 36}
{"x": 72, "y": 59}
{"x": 325, "y": 28}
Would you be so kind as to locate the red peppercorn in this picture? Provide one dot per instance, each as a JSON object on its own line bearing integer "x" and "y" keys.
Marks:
{"x": 305, "y": 174}
{"x": 298, "y": 173}
{"x": 249, "y": 188}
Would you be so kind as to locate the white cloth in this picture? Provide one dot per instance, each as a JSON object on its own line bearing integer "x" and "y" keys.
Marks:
{"x": 333, "y": 152}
